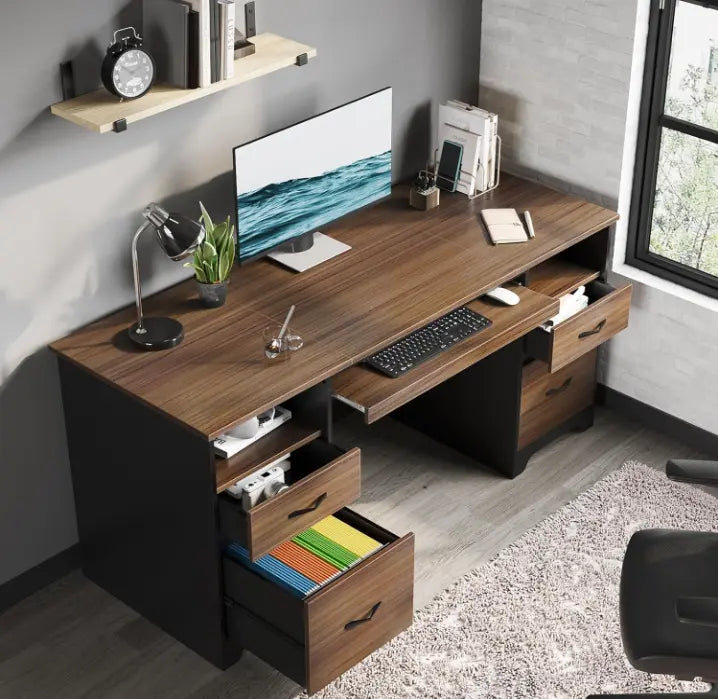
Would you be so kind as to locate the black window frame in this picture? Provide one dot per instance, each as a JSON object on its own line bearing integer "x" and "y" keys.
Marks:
{"x": 652, "y": 122}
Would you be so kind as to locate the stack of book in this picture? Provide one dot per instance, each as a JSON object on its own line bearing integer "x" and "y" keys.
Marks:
{"x": 476, "y": 130}
{"x": 192, "y": 41}
{"x": 311, "y": 559}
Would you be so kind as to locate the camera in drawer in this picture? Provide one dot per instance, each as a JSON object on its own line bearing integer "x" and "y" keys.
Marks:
{"x": 337, "y": 626}
{"x": 548, "y": 400}
{"x": 605, "y": 316}
{"x": 322, "y": 479}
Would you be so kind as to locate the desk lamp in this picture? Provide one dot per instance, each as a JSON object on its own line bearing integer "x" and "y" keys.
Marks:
{"x": 178, "y": 236}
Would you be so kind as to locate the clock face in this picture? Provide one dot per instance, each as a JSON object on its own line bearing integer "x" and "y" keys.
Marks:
{"x": 133, "y": 73}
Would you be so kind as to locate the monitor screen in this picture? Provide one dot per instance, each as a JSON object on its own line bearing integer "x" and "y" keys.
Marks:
{"x": 301, "y": 178}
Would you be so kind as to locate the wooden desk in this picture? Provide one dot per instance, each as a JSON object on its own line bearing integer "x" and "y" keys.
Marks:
{"x": 148, "y": 488}
{"x": 406, "y": 268}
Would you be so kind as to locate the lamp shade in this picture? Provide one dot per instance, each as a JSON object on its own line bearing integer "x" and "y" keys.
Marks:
{"x": 177, "y": 235}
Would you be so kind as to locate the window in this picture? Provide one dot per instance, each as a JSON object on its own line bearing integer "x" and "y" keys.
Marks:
{"x": 674, "y": 219}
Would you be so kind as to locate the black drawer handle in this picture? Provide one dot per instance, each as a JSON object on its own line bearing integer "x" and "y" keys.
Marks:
{"x": 368, "y": 617}
{"x": 312, "y": 508}
{"x": 560, "y": 389}
{"x": 595, "y": 331}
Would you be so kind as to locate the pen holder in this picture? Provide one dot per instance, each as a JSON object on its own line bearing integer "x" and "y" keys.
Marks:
{"x": 280, "y": 350}
{"x": 424, "y": 199}
{"x": 424, "y": 194}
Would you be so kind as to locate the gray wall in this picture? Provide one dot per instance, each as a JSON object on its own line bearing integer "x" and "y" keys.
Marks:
{"x": 70, "y": 199}
{"x": 557, "y": 73}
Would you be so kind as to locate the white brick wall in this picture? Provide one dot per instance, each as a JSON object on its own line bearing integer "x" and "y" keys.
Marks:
{"x": 557, "y": 72}
{"x": 668, "y": 357}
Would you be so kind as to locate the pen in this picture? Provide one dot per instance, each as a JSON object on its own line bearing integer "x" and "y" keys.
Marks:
{"x": 529, "y": 224}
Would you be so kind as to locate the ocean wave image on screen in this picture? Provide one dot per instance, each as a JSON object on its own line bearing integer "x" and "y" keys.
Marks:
{"x": 278, "y": 212}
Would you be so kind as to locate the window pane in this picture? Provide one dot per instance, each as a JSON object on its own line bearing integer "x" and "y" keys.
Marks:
{"x": 685, "y": 215}
{"x": 693, "y": 76}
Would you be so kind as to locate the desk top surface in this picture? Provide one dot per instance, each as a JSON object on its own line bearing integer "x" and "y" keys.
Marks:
{"x": 405, "y": 269}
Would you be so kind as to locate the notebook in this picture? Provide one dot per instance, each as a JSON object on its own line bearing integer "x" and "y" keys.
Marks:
{"x": 504, "y": 226}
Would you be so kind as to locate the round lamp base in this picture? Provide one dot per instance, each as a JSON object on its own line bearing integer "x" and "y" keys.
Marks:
{"x": 157, "y": 333}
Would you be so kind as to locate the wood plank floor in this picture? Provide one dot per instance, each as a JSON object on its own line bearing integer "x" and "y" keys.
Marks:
{"x": 73, "y": 640}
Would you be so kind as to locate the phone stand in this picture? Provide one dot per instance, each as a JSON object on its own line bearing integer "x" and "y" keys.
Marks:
{"x": 497, "y": 171}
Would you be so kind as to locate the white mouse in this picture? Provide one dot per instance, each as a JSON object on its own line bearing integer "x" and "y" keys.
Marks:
{"x": 508, "y": 298}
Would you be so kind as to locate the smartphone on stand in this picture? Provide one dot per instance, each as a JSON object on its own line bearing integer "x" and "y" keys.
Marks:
{"x": 447, "y": 177}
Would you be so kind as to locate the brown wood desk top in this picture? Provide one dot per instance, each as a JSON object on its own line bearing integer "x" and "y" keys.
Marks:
{"x": 406, "y": 268}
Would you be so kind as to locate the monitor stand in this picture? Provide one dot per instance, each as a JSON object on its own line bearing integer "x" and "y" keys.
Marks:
{"x": 308, "y": 251}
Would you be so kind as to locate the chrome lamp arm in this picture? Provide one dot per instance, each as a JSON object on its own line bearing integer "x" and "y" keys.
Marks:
{"x": 140, "y": 330}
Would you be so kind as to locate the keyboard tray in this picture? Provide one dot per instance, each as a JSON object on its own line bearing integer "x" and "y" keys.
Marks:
{"x": 376, "y": 395}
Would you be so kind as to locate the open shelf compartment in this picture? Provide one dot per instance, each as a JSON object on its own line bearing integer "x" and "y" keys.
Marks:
{"x": 278, "y": 443}
{"x": 557, "y": 276}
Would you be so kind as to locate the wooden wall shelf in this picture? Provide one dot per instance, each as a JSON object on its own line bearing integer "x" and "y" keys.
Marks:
{"x": 99, "y": 111}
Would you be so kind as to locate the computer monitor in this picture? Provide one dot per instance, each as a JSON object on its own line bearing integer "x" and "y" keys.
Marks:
{"x": 294, "y": 181}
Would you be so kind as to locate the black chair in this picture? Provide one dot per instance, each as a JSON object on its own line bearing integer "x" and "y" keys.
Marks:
{"x": 669, "y": 596}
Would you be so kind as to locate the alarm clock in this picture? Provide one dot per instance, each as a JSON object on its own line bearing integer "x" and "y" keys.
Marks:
{"x": 127, "y": 70}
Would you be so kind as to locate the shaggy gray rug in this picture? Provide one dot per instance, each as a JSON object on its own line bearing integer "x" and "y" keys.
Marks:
{"x": 540, "y": 620}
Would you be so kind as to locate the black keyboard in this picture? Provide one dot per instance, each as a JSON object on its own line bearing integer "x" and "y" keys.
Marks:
{"x": 427, "y": 342}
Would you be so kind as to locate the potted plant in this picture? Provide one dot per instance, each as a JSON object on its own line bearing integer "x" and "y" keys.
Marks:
{"x": 213, "y": 260}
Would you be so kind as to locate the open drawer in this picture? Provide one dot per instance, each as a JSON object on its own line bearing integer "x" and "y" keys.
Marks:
{"x": 316, "y": 639}
{"x": 323, "y": 479}
{"x": 606, "y": 315}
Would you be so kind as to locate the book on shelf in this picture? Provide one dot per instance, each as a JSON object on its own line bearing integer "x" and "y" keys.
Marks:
{"x": 214, "y": 41}
{"x": 193, "y": 39}
{"x": 204, "y": 75}
{"x": 226, "y": 33}
{"x": 227, "y": 446}
{"x": 165, "y": 27}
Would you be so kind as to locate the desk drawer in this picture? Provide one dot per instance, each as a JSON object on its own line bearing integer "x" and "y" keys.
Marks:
{"x": 548, "y": 400}
{"x": 323, "y": 479}
{"x": 606, "y": 315}
{"x": 337, "y": 626}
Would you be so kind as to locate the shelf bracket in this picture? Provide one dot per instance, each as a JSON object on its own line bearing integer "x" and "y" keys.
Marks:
{"x": 119, "y": 126}
{"x": 67, "y": 80}
{"x": 302, "y": 59}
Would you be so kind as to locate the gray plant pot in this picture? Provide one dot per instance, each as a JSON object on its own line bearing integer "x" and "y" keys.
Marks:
{"x": 212, "y": 295}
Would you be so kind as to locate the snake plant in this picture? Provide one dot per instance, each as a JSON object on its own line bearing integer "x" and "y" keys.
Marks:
{"x": 214, "y": 258}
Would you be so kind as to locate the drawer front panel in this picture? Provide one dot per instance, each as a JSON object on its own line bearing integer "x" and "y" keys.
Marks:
{"x": 313, "y": 498}
{"x": 264, "y": 599}
{"x": 359, "y": 613}
{"x": 547, "y": 399}
{"x": 267, "y": 643}
{"x": 603, "y": 319}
